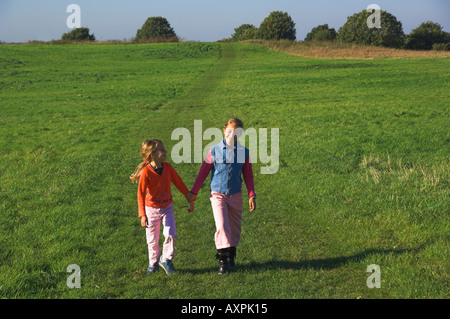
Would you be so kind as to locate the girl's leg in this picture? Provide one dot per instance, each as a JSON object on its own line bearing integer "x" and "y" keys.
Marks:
{"x": 152, "y": 233}
{"x": 234, "y": 218}
{"x": 169, "y": 232}
{"x": 219, "y": 206}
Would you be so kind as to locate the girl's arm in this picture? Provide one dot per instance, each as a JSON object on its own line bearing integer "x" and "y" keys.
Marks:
{"x": 203, "y": 173}
{"x": 247, "y": 172}
{"x": 177, "y": 181}
{"x": 142, "y": 191}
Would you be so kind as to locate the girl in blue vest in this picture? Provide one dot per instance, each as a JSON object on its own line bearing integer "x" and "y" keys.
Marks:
{"x": 227, "y": 161}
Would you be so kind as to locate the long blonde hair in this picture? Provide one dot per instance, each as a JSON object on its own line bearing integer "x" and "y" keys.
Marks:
{"x": 147, "y": 149}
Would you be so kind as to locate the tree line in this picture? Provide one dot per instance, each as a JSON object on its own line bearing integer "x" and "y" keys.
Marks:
{"x": 279, "y": 25}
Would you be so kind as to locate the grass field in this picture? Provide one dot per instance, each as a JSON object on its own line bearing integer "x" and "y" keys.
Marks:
{"x": 363, "y": 176}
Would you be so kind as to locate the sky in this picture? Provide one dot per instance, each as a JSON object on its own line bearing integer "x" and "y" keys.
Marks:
{"x": 197, "y": 20}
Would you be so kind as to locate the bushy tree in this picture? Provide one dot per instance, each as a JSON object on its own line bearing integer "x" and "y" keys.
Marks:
{"x": 155, "y": 27}
{"x": 243, "y": 32}
{"x": 251, "y": 34}
{"x": 355, "y": 30}
{"x": 425, "y": 35}
{"x": 278, "y": 25}
{"x": 321, "y": 33}
{"x": 78, "y": 34}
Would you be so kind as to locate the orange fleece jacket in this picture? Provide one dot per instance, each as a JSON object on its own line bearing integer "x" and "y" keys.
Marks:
{"x": 154, "y": 189}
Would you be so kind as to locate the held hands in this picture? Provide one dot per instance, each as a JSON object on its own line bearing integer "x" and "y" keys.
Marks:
{"x": 191, "y": 197}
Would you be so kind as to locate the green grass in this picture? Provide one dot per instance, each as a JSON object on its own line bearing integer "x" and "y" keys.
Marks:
{"x": 363, "y": 176}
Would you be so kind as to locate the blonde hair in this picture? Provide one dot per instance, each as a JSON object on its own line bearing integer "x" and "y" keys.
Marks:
{"x": 148, "y": 147}
{"x": 235, "y": 121}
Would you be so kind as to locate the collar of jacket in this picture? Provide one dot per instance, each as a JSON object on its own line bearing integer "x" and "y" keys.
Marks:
{"x": 236, "y": 146}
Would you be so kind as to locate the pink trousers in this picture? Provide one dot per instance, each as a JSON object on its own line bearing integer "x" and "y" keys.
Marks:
{"x": 227, "y": 210}
{"x": 155, "y": 216}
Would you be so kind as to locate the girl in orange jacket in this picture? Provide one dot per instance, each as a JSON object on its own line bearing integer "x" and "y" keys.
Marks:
{"x": 155, "y": 203}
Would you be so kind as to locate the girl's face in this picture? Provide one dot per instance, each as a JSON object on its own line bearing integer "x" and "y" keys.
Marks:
{"x": 160, "y": 154}
{"x": 230, "y": 135}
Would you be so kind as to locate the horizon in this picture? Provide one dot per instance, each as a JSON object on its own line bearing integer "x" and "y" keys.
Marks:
{"x": 22, "y": 21}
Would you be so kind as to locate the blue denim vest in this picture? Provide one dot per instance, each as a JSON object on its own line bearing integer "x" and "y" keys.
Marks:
{"x": 227, "y": 170}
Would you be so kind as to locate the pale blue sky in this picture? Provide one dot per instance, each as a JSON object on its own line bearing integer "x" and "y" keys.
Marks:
{"x": 202, "y": 20}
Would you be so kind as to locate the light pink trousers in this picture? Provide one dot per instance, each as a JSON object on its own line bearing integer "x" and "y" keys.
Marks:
{"x": 227, "y": 210}
{"x": 155, "y": 216}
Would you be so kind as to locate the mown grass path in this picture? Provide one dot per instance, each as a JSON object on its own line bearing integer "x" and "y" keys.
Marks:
{"x": 198, "y": 93}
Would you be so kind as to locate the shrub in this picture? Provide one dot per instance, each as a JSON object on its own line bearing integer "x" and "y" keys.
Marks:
{"x": 441, "y": 46}
{"x": 278, "y": 25}
{"x": 425, "y": 35}
{"x": 155, "y": 27}
{"x": 321, "y": 33}
{"x": 244, "y": 32}
{"x": 78, "y": 34}
{"x": 251, "y": 34}
{"x": 355, "y": 30}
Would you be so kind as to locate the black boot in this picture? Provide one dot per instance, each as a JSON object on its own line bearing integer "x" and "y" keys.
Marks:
{"x": 223, "y": 256}
{"x": 223, "y": 267}
{"x": 232, "y": 254}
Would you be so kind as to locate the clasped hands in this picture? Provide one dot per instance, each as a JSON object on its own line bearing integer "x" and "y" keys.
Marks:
{"x": 191, "y": 197}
